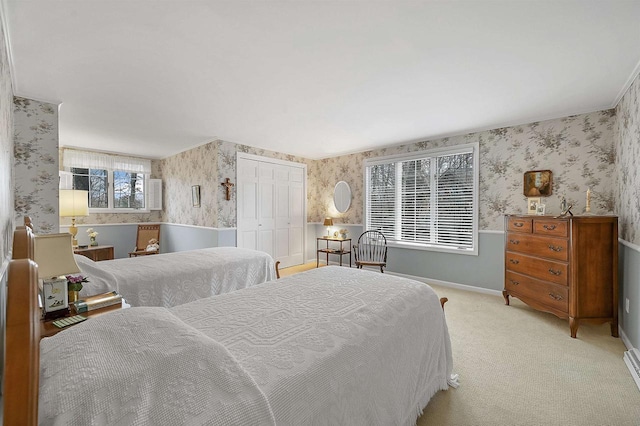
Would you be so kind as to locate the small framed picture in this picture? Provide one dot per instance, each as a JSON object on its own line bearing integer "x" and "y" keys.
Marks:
{"x": 54, "y": 295}
{"x": 195, "y": 195}
{"x": 532, "y": 205}
{"x": 540, "y": 209}
{"x": 538, "y": 183}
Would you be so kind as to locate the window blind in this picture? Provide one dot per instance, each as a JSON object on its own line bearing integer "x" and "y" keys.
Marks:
{"x": 425, "y": 200}
{"x": 73, "y": 158}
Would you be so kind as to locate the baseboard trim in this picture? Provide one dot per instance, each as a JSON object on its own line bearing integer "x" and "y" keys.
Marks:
{"x": 449, "y": 284}
{"x": 632, "y": 359}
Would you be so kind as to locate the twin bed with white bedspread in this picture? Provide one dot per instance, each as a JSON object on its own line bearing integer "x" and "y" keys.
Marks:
{"x": 329, "y": 346}
{"x": 175, "y": 278}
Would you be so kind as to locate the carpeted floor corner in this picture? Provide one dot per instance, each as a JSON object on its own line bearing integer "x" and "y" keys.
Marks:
{"x": 518, "y": 366}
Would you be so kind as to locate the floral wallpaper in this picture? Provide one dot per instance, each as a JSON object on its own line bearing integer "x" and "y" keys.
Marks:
{"x": 6, "y": 155}
{"x": 208, "y": 166}
{"x": 579, "y": 150}
{"x": 180, "y": 172}
{"x": 36, "y": 163}
{"x": 627, "y": 188}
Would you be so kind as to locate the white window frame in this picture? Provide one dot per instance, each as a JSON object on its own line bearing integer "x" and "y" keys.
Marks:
{"x": 457, "y": 149}
{"x": 102, "y": 161}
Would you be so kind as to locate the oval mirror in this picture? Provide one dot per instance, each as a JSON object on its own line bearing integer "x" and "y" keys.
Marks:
{"x": 342, "y": 196}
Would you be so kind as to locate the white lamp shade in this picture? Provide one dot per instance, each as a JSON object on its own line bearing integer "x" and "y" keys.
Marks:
{"x": 74, "y": 203}
{"x": 54, "y": 255}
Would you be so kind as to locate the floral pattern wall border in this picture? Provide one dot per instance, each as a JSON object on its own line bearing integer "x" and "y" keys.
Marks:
{"x": 627, "y": 188}
{"x": 36, "y": 163}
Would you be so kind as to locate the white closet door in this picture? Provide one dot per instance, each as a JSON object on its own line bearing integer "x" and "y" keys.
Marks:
{"x": 248, "y": 191}
{"x": 282, "y": 215}
{"x": 267, "y": 208}
{"x": 296, "y": 215}
{"x": 271, "y": 209}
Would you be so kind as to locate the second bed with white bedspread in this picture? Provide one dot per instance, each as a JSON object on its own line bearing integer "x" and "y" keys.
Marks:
{"x": 173, "y": 279}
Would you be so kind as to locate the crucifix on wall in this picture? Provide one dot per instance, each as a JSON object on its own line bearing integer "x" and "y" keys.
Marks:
{"x": 227, "y": 185}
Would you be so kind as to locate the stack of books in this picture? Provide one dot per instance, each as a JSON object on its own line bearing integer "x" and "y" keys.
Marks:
{"x": 98, "y": 301}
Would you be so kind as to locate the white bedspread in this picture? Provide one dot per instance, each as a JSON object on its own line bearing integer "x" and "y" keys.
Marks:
{"x": 144, "y": 366}
{"x": 175, "y": 278}
{"x": 335, "y": 345}
{"x": 332, "y": 346}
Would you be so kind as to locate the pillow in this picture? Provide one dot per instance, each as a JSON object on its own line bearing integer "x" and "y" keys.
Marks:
{"x": 100, "y": 281}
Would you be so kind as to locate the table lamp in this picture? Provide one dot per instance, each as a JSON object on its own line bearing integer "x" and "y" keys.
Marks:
{"x": 74, "y": 203}
{"x": 54, "y": 255}
{"x": 328, "y": 222}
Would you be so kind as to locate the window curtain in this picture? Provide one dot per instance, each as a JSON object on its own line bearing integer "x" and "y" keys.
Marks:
{"x": 102, "y": 161}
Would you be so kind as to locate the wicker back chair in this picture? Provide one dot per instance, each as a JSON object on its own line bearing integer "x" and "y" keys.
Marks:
{"x": 145, "y": 233}
{"x": 371, "y": 250}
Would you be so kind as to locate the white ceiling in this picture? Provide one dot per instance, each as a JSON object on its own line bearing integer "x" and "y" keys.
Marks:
{"x": 314, "y": 78}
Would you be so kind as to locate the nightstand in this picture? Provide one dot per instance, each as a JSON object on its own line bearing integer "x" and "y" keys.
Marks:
{"x": 96, "y": 253}
{"x": 337, "y": 251}
{"x": 47, "y": 328}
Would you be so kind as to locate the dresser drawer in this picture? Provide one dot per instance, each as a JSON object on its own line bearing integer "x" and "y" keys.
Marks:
{"x": 556, "y": 228}
{"x": 547, "y": 270}
{"x": 520, "y": 224}
{"x": 552, "y": 295}
{"x": 551, "y": 248}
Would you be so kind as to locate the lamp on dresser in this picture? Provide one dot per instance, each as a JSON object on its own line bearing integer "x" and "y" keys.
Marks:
{"x": 54, "y": 255}
{"x": 74, "y": 203}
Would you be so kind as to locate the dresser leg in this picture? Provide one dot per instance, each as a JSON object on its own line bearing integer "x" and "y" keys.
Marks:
{"x": 573, "y": 325}
{"x": 506, "y": 297}
{"x": 614, "y": 328}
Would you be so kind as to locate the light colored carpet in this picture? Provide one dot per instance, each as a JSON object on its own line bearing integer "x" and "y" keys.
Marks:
{"x": 518, "y": 366}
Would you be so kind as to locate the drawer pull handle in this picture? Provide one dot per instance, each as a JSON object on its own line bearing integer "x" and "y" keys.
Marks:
{"x": 514, "y": 261}
{"x": 516, "y": 242}
{"x": 551, "y": 271}
{"x": 555, "y": 296}
{"x": 518, "y": 224}
{"x": 549, "y": 227}
{"x": 555, "y": 248}
{"x": 515, "y": 282}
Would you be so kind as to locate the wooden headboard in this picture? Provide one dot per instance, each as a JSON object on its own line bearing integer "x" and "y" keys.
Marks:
{"x": 22, "y": 335}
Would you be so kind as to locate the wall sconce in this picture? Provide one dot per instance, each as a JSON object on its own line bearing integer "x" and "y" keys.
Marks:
{"x": 54, "y": 255}
{"x": 74, "y": 203}
{"x": 328, "y": 222}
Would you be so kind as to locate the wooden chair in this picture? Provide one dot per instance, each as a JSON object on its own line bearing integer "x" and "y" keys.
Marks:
{"x": 145, "y": 233}
{"x": 371, "y": 250}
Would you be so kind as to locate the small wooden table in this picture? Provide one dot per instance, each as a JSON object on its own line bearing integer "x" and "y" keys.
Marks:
{"x": 96, "y": 253}
{"x": 340, "y": 252}
{"x": 47, "y": 328}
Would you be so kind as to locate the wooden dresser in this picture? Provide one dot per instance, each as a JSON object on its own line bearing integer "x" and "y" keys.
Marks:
{"x": 96, "y": 253}
{"x": 565, "y": 266}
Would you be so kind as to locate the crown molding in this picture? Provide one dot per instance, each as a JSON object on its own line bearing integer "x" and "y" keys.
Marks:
{"x": 7, "y": 42}
{"x": 627, "y": 85}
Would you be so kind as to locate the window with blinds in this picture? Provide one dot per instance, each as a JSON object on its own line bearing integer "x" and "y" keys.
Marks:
{"x": 425, "y": 200}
